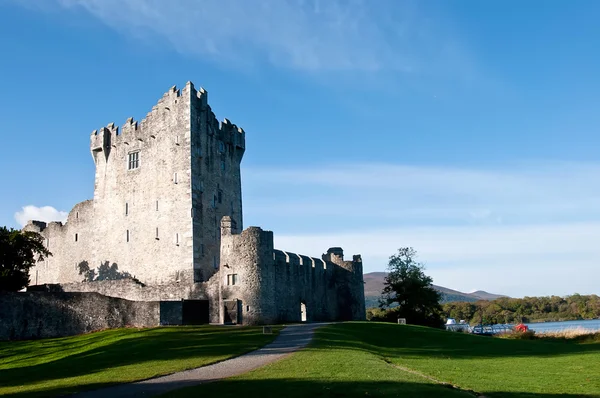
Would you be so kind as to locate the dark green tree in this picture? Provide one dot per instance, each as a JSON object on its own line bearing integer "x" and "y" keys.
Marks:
{"x": 19, "y": 251}
{"x": 407, "y": 286}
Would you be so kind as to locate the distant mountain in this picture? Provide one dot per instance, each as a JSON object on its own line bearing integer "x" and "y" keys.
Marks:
{"x": 374, "y": 286}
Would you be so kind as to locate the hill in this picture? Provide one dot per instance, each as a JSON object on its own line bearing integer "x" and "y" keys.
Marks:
{"x": 374, "y": 286}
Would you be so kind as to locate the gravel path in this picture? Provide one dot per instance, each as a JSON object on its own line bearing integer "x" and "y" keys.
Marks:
{"x": 290, "y": 339}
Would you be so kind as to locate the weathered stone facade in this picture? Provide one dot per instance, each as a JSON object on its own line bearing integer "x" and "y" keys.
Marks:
{"x": 34, "y": 315}
{"x": 165, "y": 223}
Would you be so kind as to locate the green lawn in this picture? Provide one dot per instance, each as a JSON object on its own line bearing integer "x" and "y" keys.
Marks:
{"x": 376, "y": 359}
{"x": 53, "y": 367}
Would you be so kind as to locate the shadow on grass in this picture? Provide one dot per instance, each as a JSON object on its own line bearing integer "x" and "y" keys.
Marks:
{"x": 291, "y": 388}
{"x": 45, "y": 360}
{"x": 413, "y": 341}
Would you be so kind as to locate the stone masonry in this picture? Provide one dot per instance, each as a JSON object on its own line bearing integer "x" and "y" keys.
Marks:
{"x": 165, "y": 223}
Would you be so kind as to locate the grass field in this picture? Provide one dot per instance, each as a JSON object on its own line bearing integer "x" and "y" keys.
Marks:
{"x": 53, "y": 367}
{"x": 375, "y": 359}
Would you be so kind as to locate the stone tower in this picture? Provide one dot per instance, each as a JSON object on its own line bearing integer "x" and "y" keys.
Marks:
{"x": 161, "y": 189}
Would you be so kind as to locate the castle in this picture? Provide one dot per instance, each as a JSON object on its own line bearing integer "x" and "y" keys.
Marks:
{"x": 165, "y": 224}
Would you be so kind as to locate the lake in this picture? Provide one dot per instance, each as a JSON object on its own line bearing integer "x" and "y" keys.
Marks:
{"x": 592, "y": 325}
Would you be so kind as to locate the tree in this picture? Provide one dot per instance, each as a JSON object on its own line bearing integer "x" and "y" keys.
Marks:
{"x": 407, "y": 286}
{"x": 18, "y": 252}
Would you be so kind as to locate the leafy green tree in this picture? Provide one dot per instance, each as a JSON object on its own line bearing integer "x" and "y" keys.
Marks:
{"x": 18, "y": 252}
{"x": 407, "y": 286}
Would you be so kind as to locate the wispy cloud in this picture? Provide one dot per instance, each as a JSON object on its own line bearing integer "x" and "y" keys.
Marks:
{"x": 520, "y": 194}
{"x": 301, "y": 34}
{"x": 528, "y": 229}
{"x": 44, "y": 213}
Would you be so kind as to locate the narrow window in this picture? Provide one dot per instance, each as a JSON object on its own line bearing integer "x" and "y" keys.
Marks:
{"x": 126, "y": 208}
{"x": 76, "y": 237}
{"x": 134, "y": 160}
{"x": 77, "y": 215}
{"x": 177, "y": 239}
{"x": 247, "y": 308}
{"x": 214, "y": 202}
{"x": 220, "y": 196}
{"x": 175, "y": 178}
{"x": 192, "y": 213}
{"x": 202, "y": 249}
{"x": 156, "y": 233}
{"x": 176, "y": 140}
{"x": 221, "y": 146}
{"x": 232, "y": 279}
{"x": 157, "y": 205}
{"x": 222, "y": 165}
{"x": 127, "y": 236}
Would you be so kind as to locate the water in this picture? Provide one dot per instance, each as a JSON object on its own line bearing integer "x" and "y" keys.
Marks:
{"x": 592, "y": 325}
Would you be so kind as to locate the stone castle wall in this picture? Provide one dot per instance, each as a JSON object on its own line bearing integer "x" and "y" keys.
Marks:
{"x": 275, "y": 286}
{"x": 40, "y": 315}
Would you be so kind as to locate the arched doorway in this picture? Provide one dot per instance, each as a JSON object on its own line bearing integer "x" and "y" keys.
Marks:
{"x": 303, "y": 316}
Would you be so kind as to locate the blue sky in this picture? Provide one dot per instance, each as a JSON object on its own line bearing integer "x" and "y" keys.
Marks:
{"x": 466, "y": 129}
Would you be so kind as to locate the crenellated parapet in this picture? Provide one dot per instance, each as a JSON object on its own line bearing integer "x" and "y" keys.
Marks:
{"x": 289, "y": 259}
{"x": 175, "y": 106}
{"x": 335, "y": 255}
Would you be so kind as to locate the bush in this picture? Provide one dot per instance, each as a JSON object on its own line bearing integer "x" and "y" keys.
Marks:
{"x": 517, "y": 335}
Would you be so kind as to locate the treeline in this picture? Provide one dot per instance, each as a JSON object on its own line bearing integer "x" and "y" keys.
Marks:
{"x": 528, "y": 309}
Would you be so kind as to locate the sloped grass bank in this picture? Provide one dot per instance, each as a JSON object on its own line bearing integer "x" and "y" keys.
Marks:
{"x": 376, "y": 359}
{"x": 52, "y": 367}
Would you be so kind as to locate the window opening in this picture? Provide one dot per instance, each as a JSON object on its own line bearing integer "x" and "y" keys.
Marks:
{"x": 232, "y": 279}
{"x": 134, "y": 160}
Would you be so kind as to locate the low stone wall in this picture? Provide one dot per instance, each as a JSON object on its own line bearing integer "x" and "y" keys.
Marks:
{"x": 32, "y": 315}
{"x": 131, "y": 289}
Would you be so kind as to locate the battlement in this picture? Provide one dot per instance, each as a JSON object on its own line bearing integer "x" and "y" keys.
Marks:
{"x": 283, "y": 258}
{"x": 176, "y": 106}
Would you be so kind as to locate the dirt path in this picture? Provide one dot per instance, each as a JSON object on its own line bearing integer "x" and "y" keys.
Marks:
{"x": 290, "y": 339}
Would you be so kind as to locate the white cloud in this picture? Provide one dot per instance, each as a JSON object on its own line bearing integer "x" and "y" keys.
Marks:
{"x": 521, "y": 230}
{"x": 514, "y": 260}
{"x": 385, "y": 193}
{"x": 300, "y": 34}
{"x": 44, "y": 213}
